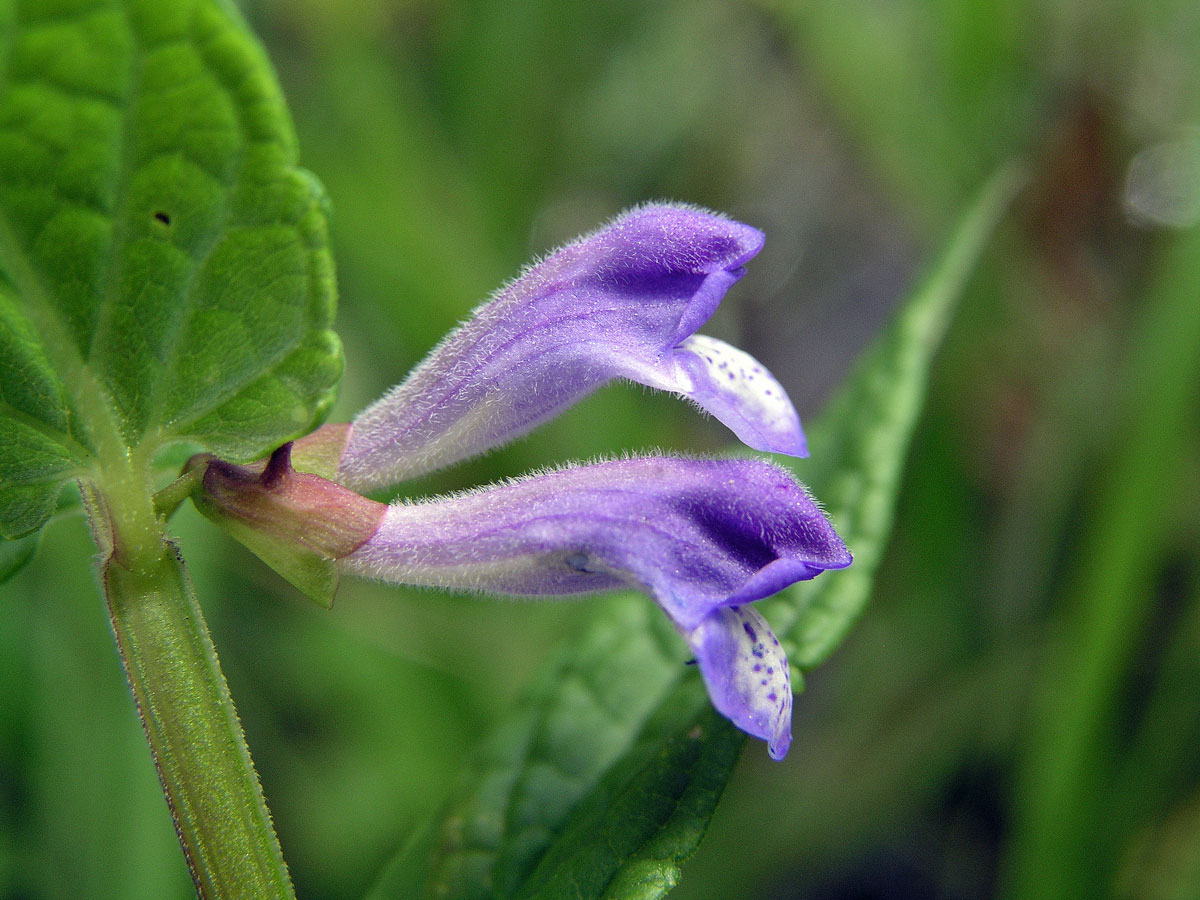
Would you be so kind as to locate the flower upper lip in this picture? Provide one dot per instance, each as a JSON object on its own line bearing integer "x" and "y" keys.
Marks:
{"x": 620, "y": 303}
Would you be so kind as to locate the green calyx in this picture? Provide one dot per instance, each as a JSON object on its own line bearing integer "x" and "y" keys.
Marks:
{"x": 298, "y": 523}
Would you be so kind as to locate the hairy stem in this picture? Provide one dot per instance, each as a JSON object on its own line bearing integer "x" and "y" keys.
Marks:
{"x": 169, "y": 498}
{"x": 194, "y": 734}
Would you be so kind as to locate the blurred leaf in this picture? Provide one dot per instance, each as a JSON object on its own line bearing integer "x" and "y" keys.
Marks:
{"x": 1165, "y": 860}
{"x": 603, "y": 781}
{"x": 1154, "y": 790}
{"x": 1068, "y": 829}
{"x": 860, "y": 443}
{"x": 955, "y": 102}
{"x": 164, "y": 273}
{"x": 15, "y": 555}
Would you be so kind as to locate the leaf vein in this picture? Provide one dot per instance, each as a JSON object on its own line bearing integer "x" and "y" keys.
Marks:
{"x": 63, "y": 439}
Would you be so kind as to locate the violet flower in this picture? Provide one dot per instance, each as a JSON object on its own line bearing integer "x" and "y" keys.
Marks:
{"x": 704, "y": 538}
{"x": 622, "y": 302}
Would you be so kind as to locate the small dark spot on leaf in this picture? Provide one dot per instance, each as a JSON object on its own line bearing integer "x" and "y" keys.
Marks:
{"x": 162, "y": 218}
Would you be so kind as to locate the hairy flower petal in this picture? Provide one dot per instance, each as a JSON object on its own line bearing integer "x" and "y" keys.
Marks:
{"x": 622, "y": 302}
{"x": 694, "y": 534}
{"x": 746, "y": 674}
{"x": 737, "y": 389}
{"x": 702, "y": 537}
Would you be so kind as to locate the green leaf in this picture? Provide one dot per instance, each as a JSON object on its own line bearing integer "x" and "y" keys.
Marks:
{"x": 15, "y": 555}
{"x": 603, "y": 781}
{"x": 583, "y": 718}
{"x": 164, "y": 269}
{"x": 610, "y": 751}
{"x": 649, "y": 812}
{"x": 860, "y": 443}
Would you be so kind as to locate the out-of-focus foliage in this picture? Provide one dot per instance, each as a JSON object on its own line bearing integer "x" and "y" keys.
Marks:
{"x": 1015, "y": 715}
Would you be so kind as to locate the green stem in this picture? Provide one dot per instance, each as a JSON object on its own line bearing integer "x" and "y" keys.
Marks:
{"x": 195, "y": 737}
{"x": 169, "y": 498}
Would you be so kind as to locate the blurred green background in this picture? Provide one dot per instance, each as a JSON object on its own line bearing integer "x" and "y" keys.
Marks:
{"x": 1018, "y": 714}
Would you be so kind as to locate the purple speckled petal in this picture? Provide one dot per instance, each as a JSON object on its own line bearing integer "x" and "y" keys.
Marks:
{"x": 694, "y": 534}
{"x": 622, "y": 302}
{"x": 746, "y": 673}
{"x": 737, "y": 389}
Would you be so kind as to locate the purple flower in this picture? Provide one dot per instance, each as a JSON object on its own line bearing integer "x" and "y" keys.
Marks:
{"x": 622, "y": 302}
{"x": 704, "y": 538}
